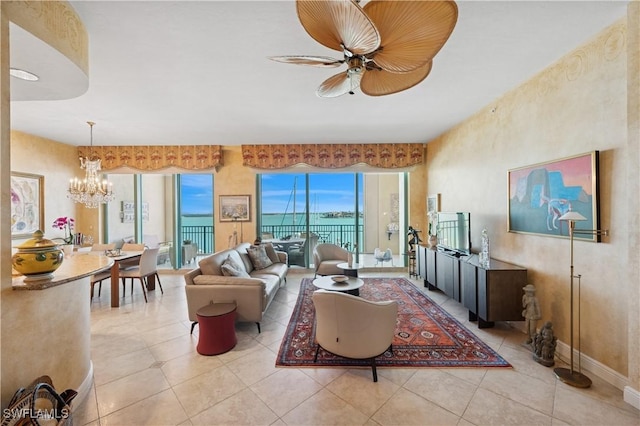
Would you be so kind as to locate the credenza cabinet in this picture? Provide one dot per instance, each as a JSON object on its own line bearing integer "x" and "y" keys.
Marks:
{"x": 492, "y": 293}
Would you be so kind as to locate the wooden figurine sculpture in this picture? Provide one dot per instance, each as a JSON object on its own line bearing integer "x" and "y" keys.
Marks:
{"x": 531, "y": 311}
{"x": 544, "y": 345}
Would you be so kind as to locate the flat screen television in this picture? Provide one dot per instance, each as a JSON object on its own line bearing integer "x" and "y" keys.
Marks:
{"x": 454, "y": 231}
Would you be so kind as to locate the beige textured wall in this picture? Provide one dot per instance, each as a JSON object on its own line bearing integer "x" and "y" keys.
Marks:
{"x": 379, "y": 190}
{"x": 633, "y": 178}
{"x": 417, "y": 200}
{"x": 56, "y": 161}
{"x": 576, "y": 105}
{"x": 233, "y": 179}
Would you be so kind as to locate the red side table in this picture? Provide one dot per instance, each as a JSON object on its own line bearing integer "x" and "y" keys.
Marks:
{"x": 217, "y": 322}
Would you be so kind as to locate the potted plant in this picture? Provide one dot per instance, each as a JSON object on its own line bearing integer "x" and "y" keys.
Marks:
{"x": 67, "y": 224}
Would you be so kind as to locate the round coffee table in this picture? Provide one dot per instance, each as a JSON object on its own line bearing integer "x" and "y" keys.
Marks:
{"x": 350, "y": 271}
{"x": 351, "y": 286}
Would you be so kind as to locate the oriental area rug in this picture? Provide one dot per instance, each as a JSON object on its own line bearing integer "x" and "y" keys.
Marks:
{"x": 426, "y": 335}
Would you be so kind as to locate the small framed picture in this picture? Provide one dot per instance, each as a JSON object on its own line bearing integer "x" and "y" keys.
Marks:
{"x": 433, "y": 203}
{"x": 235, "y": 208}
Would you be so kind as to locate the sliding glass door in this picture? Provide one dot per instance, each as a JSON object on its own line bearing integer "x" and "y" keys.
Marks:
{"x": 360, "y": 212}
{"x": 174, "y": 212}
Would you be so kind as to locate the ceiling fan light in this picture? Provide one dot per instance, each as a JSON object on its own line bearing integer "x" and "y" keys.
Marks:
{"x": 356, "y": 65}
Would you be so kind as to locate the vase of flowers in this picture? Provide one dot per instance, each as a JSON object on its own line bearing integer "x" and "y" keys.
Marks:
{"x": 66, "y": 224}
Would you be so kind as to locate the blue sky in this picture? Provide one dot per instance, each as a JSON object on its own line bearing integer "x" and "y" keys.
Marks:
{"x": 329, "y": 192}
{"x": 197, "y": 194}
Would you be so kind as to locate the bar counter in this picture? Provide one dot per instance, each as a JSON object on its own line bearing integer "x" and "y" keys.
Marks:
{"x": 49, "y": 331}
{"x": 73, "y": 268}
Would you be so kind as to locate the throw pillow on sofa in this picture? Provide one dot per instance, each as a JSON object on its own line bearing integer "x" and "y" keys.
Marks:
{"x": 231, "y": 269}
{"x": 258, "y": 256}
{"x": 271, "y": 252}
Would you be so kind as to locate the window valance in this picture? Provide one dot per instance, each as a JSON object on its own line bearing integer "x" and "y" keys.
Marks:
{"x": 187, "y": 157}
{"x": 333, "y": 156}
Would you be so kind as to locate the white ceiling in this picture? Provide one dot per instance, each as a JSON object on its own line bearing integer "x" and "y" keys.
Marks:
{"x": 195, "y": 72}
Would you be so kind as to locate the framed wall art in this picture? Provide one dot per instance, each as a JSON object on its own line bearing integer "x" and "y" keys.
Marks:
{"x": 235, "y": 208}
{"x": 128, "y": 212}
{"x": 541, "y": 193}
{"x": 433, "y": 203}
{"x": 27, "y": 204}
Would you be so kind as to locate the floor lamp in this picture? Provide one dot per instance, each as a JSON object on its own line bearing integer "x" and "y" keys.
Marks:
{"x": 569, "y": 375}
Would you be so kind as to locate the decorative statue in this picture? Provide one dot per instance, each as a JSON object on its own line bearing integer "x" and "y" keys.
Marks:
{"x": 544, "y": 345}
{"x": 415, "y": 239}
{"x": 531, "y": 312}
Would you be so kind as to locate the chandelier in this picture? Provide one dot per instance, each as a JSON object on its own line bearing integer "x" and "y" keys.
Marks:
{"x": 90, "y": 191}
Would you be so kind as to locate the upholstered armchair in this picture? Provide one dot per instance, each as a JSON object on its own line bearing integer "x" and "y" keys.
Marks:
{"x": 353, "y": 327}
{"x": 326, "y": 258}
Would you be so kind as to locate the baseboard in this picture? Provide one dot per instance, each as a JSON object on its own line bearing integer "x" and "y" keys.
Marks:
{"x": 589, "y": 364}
{"x": 84, "y": 388}
{"x": 632, "y": 397}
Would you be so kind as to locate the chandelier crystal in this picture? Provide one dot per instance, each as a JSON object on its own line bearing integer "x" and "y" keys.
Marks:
{"x": 90, "y": 191}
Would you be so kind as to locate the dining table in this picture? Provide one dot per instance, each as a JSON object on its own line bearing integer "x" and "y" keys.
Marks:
{"x": 115, "y": 273}
{"x": 285, "y": 244}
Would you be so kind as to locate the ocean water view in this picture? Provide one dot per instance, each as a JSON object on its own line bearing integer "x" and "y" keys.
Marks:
{"x": 332, "y": 227}
{"x": 281, "y": 219}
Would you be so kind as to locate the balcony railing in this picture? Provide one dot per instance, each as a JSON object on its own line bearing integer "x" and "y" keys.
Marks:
{"x": 342, "y": 235}
{"x": 202, "y": 235}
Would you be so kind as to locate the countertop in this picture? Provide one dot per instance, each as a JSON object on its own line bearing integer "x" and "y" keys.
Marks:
{"x": 74, "y": 267}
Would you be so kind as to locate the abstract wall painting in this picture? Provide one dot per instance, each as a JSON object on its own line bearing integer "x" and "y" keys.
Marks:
{"x": 27, "y": 204}
{"x": 541, "y": 193}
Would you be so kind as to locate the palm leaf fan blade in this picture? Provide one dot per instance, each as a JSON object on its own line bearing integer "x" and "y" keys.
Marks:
{"x": 338, "y": 85}
{"x": 411, "y": 32}
{"x": 313, "y": 61}
{"x": 335, "y": 24}
{"x": 380, "y": 82}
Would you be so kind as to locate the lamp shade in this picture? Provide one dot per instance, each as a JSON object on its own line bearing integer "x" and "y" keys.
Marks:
{"x": 574, "y": 216}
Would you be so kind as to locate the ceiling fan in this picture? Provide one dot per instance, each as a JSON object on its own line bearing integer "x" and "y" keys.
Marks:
{"x": 388, "y": 46}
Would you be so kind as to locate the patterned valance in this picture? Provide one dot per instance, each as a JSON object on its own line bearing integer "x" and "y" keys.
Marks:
{"x": 149, "y": 158}
{"x": 333, "y": 156}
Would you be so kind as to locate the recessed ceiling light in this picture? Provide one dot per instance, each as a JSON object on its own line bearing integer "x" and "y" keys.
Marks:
{"x": 23, "y": 75}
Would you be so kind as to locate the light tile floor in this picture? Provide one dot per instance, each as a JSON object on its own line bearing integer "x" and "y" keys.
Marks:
{"x": 147, "y": 371}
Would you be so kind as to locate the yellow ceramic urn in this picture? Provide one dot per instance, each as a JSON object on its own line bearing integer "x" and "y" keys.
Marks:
{"x": 37, "y": 258}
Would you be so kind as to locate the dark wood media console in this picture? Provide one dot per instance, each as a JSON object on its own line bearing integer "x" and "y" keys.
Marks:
{"x": 490, "y": 294}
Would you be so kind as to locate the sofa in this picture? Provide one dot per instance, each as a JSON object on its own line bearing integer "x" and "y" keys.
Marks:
{"x": 242, "y": 275}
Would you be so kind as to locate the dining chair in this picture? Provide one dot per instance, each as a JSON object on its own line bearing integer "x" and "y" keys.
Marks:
{"x": 101, "y": 276}
{"x": 147, "y": 267}
{"x": 97, "y": 279}
{"x": 103, "y": 247}
{"x": 130, "y": 263}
